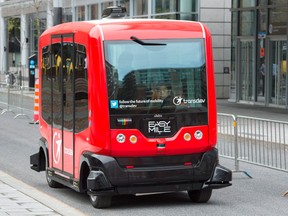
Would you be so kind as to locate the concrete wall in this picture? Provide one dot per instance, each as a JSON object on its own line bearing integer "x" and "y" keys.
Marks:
{"x": 217, "y": 16}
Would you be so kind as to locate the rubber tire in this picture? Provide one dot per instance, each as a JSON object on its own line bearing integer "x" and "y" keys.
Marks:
{"x": 200, "y": 196}
{"x": 52, "y": 183}
{"x": 100, "y": 202}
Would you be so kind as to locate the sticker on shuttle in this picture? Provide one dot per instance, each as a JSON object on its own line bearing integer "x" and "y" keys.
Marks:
{"x": 159, "y": 127}
{"x": 57, "y": 146}
{"x": 178, "y": 100}
{"x": 124, "y": 104}
{"x": 114, "y": 104}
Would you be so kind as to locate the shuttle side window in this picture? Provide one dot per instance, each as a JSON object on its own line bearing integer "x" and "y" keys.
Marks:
{"x": 65, "y": 86}
{"x": 81, "y": 89}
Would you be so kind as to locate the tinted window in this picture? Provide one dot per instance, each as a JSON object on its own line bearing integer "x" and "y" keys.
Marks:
{"x": 46, "y": 85}
{"x": 65, "y": 86}
{"x": 167, "y": 76}
{"x": 81, "y": 89}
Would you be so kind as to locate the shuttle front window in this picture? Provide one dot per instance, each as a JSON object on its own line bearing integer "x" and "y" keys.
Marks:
{"x": 156, "y": 76}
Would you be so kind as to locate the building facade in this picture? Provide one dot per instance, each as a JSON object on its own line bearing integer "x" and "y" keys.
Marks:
{"x": 32, "y": 17}
{"x": 259, "y": 52}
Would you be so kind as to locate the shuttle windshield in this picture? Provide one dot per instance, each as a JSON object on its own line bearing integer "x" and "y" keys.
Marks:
{"x": 156, "y": 76}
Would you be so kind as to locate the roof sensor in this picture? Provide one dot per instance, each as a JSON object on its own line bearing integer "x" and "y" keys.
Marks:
{"x": 114, "y": 12}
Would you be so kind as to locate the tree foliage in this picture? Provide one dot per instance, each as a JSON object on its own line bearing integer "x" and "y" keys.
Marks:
{"x": 14, "y": 27}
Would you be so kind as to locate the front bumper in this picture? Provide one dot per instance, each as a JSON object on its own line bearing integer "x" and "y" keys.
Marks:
{"x": 110, "y": 175}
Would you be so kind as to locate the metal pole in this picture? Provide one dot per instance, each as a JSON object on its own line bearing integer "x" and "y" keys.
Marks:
{"x": 236, "y": 144}
{"x": 21, "y": 105}
{"x": 237, "y": 169}
{"x": 8, "y": 102}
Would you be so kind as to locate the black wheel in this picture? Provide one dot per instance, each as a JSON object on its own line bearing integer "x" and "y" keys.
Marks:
{"x": 200, "y": 196}
{"x": 100, "y": 201}
{"x": 52, "y": 183}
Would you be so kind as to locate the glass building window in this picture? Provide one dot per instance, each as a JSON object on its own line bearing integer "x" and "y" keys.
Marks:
{"x": 124, "y": 3}
{"x": 67, "y": 15}
{"x": 164, "y": 9}
{"x": 140, "y": 8}
{"x": 278, "y": 21}
{"x": 80, "y": 13}
{"x": 247, "y": 3}
{"x": 164, "y": 6}
{"x": 247, "y": 23}
{"x": 234, "y": 4}
{"x": 106, "y": 4}
{"x": 279, "y": 2}
{"x": 93, "y": 12}
{"x": 233, "y": 55}
{"x": 188, "y": 10}
{"x": 262, "y": 2}
{"x": 166, "y": 16}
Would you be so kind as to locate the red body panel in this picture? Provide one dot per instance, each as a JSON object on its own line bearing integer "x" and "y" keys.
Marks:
{"x": 98, "y": 137}
{"x": 146, "y": 147}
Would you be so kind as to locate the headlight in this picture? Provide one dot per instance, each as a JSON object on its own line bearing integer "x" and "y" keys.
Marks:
{"x": 121, "y": 138}
{"x": 198, "y": 135}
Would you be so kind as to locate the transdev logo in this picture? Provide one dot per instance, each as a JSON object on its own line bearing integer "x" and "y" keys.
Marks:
{"x": 178, "y": 100}
{"x": 114, "y": 104}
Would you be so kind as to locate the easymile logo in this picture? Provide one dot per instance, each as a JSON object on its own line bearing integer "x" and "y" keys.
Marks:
{"x": 159, "y": 127}
{"x": 178, "y": 100}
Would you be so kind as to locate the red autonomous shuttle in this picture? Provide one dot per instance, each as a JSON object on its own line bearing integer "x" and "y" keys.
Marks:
{"x": 128, "y": 107}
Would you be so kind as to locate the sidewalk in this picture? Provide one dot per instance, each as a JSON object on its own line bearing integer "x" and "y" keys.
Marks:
{"x": 18, "y": 198}
{"x": 257, "y": 111}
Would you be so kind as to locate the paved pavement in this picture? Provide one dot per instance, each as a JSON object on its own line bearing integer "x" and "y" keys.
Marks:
{"x": 18, "y": 198}
{"x": 272, "y": 113}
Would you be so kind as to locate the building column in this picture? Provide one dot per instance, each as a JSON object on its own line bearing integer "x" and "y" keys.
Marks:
{"x": 50, "y": 14}
{"x": 3, "y": 45}
{"x": 24, "y": 40}
{"x": 149, "y": 8}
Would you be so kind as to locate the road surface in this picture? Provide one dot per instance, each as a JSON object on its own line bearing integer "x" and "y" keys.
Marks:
{"x": 261, "y": 195}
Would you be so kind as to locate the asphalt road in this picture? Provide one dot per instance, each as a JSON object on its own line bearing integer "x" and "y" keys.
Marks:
{"x": 261, "y": 195}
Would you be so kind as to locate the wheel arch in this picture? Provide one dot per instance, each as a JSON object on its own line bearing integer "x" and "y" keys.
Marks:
{"x": 43, "y": 152}
{"x": 39, "y": 160}
{"x": 84, "y": 173}
{"x": 85, "y": 167}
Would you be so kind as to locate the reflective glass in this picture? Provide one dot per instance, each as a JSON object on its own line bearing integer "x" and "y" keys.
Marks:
{"x": 247, "y": 3}
{"x": 140, "y": 7}
{"x": 166, "y": 76}
{"x": 274, "y": 2}
{"x": 278, "y": 21}
{"x": 164, "y": 6}
{"x": 247, "y": 23}
{"x": 80, "y": 13}
{"x": 94, "y": 12}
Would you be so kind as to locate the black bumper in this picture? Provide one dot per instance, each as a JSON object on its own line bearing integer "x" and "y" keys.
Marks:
{"x": 110, "y": 175}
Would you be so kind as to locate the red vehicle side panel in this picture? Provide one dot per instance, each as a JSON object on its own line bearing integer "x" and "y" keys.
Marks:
{"x": 98, "y": 138}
